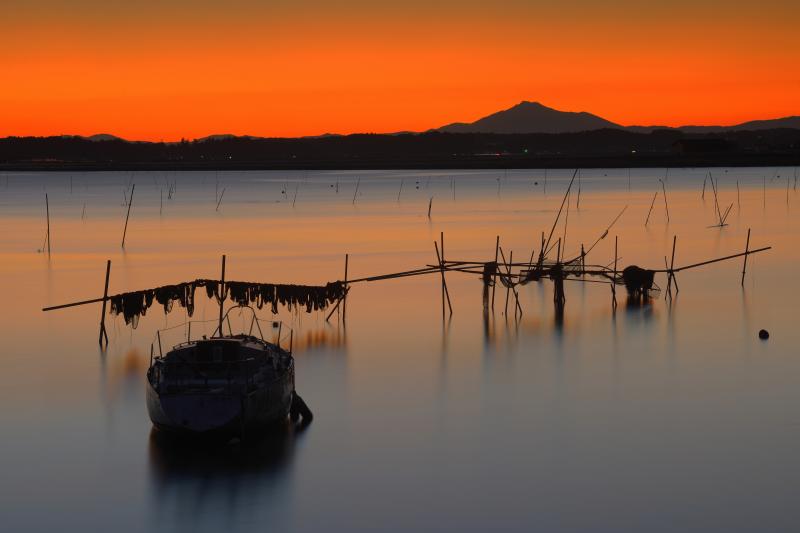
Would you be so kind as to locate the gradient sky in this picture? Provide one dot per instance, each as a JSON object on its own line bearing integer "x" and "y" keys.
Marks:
{"x": 188, "y": 68}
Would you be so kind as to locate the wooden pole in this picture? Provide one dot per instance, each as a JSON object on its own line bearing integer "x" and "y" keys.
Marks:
{"x": 703, "y": 194}
{"x": 430, "y": 204}
{"x": 344, "y": 301}
{"x": 103, "y": 312}
{"x": 494, "y": 276}
{"x": 746, "y": 249}
{"x": 125, "y": 231}
{"x": 614, "y": 281}
{"x": 651, "y": 208}
{"x": 672, "y": 278}
{"x": 738, "y": 197}
{"x": 221, "y": 295}
{"x": 666, "y": 204}
{"x": 47, "y": 207}
{"x": 356, "y": 191}
{"x": 445, "y": 293}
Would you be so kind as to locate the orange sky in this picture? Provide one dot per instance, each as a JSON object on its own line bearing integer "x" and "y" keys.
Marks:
{"x": 305, "y": 67}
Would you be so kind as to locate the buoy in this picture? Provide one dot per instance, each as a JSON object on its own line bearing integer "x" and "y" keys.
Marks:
{"x": 763, "y": 334}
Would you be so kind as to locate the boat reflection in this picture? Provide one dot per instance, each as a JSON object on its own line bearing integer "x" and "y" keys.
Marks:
{"x": 189, "y": 474}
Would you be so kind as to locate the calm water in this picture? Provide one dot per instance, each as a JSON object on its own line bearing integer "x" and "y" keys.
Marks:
{"x": 663, "y": 418}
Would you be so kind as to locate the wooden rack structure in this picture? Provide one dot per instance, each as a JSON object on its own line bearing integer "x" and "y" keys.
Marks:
{"x": 510, "y": 274}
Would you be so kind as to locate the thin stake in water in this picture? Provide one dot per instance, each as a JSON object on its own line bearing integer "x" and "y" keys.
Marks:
{"x": 356, "y": 191}
{"x": 220, "y": 198}
{"x": 651, "y": 208}
{"x": 127, "y": 216}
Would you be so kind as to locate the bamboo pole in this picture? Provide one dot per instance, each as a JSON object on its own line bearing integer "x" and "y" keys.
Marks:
{"x": 346, "y": 289}
{"x": 356, "y": 191}
{"x": 103, "y": 332}
{"x": 221, "y": 293}
{"x": 47, "y": 207}
{"x": 445, "y": 293}
{"x": 614, "y": 281}
{"x": 130, "y": 202}
{"x": 430, "y": 204}
{"x": 494, "y": 276}
{"x": 717, "y": 260}
{"x": 219, "y": 200}
{"x": 746, "y": 248}
{"x": 651, "y": 208}
{"x": 666, "y": 204}
{"x": 738, "y": 196}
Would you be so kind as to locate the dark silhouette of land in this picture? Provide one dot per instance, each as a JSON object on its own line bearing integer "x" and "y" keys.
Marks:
{"x": 533, "y": 117}
{"x": 599, "y": 148}
{"x": 528, "y": 135}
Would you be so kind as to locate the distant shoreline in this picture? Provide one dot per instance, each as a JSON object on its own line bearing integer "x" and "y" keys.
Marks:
{"x": 608, "y": 148}
{"x": 470, "y": 163}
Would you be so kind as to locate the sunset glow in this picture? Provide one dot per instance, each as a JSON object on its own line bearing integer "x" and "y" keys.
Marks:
{"x": 144, "y": 71}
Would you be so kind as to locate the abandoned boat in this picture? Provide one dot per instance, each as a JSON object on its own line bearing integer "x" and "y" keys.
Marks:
{"x": 226, "y": 385}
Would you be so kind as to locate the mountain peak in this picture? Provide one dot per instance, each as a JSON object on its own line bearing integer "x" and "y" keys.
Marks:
{"x": 532, "y": 117}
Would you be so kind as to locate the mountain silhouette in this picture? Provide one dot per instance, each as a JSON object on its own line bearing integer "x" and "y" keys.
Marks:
{"x": 532, "y": 117}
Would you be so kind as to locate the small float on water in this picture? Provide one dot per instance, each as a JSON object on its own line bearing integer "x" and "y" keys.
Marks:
{"x": 226, "y": 385}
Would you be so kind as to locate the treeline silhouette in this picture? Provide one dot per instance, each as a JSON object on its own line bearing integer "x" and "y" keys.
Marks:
{"x": 607, "y": 147}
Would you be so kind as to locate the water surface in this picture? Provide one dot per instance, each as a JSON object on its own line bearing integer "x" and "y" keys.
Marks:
{"x": 667, "y": 417}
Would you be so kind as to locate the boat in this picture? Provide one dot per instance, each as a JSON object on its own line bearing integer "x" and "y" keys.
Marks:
{"x": 226, "y": 385}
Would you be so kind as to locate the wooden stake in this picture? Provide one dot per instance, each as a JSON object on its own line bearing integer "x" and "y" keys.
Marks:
{"x": 703, "y": 194}
{"x": 738, "y": 196}
{"x": 221, "y": 292}
{"x": 130, "y": 202}
{"x": 666, "y": 204}
{"x": 651, "y": 209}
{"x": 746, "y": 250}
{"x": 356, "y": 191}
{"x": 430, "y": 204}
{"x": 47, "y": 207}
{"x": 445, "y": 293}
{"x": 103, "y": 333}
{"x": 494, "y": 281}
{"x": 614, "y": 281}
{"x": 219, "y": 201}
{"x": 401, "y": 189}
{"x": 346, "y": 289}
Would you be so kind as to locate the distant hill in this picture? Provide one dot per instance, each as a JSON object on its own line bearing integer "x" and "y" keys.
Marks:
{"x": 532, "y": 117}
{"x": 104, "y": 137}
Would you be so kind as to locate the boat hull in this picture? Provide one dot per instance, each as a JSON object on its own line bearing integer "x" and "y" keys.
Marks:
{"x": 213, "y": 413}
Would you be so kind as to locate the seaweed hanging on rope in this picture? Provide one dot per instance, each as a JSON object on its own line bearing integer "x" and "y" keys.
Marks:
{"x": 132, "y": 305}
{"x": 312, "y": 297}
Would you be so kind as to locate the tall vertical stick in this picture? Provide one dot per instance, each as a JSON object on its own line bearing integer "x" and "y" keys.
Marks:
{"x": 125, "y": 231}
{"x": 614, "y": 281}
{"x": 671, "y": 278}
{"x": 221, "y": 295}
{"x": 356, "y": 191}
{"x": 666, "y": 205}
{"x": 445, "y": 292}
{"x": 494, "y": 276}
{"x": 651, "y": 208}
{"x": 344, "y": 301}
{"x": 47, "y": 207}
{"x": 746, "y": 251}
{"x": 738, "y": 196}
{"x": 103, "y": 312}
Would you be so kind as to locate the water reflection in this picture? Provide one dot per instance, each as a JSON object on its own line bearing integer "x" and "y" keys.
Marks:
{"x": 188, "y": 474}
